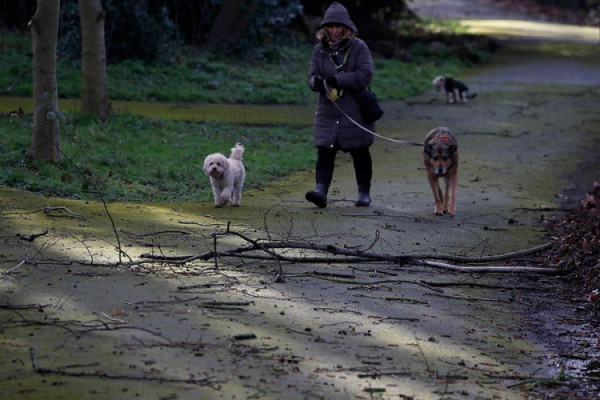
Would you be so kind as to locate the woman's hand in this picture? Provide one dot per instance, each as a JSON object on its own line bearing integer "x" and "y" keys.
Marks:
{"x": 331, "y": 82}
{"x": 318, "y": 84}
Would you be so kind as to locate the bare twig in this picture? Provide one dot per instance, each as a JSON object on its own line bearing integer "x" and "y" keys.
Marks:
{"x": 225, "y": 305}
{"x": 478, "y": 285}
{"x": 37, "y": 307}
{"x": 334, "y": 275}
{"x": 497, "y": 268}
{"x": 13, "y": 269}
{"x": 469, "y": 298}
{"x": 98, "y": 192}
{"x": 533, "y": 382}
{"x": 154, "y": 233}
{"x": 375, "y": 375}
{"x": 380, "y": 282}
{"x": 20, "y": 76}
{"x": 488, "y": 259}
{"x": 106, "y": 375}
{"x": 215, "y": 249}
{"x": 31, "y": 237}
{"x": 277, "y": 260}
{"x": 48, "y": 210}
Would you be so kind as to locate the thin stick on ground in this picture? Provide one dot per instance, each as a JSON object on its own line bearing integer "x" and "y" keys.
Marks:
{"x": 106, "y": 375}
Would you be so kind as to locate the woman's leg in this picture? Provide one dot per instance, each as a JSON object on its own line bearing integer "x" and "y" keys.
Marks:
{"x": 323, "y": 176}
{"x": 363, "y": 169}
{"x": 363, "y": 166}
{"x": 325, "y": 165}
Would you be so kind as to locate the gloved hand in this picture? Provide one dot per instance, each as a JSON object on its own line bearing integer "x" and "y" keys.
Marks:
{"x": 318, "y": 84}
{"x": 331, "y": 82}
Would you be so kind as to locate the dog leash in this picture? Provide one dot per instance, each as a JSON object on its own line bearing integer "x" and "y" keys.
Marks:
{"x": 398, "y": 141}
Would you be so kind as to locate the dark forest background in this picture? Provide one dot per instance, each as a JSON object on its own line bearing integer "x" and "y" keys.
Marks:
{"x": 146, "y": 29}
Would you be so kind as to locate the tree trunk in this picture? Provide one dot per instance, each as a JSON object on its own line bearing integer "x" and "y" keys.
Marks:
{"x": 45, "y": 139}
{"x": 94, "y": 92}
{"x": 231, "y": 21}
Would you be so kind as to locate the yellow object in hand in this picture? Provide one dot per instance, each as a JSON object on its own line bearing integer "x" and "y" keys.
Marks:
{"x": 333, "y": 94}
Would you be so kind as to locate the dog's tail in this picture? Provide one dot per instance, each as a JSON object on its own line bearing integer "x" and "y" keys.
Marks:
{"x": 472, "y": 95}
{"x": 237, "y": 152}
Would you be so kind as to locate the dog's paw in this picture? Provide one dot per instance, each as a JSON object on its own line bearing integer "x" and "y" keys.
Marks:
{"x": 222, "y": 200}
{"x": 220, "y": 203}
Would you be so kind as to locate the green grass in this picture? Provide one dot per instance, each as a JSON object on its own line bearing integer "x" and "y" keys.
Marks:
{"x": 131, "y": 158}
{"x": 135, "y": 158}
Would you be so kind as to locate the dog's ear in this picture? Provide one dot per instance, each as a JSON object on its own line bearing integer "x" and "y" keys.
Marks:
{"x": 452, "y": 149}
{"x": 428, "y": 149}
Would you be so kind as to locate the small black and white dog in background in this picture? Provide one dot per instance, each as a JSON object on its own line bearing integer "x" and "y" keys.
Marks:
{"x": 456, "y": 91}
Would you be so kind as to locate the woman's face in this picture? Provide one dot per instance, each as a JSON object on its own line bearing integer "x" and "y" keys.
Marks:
{"x": 335, "y": 31}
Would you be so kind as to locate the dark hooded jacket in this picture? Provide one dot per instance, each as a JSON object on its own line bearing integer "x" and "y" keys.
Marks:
{"x": 330, "y": 125}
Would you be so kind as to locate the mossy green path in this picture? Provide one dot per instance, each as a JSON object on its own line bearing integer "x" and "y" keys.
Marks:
{"x": 193, "y": 331}
{"x": 194, "y": 112}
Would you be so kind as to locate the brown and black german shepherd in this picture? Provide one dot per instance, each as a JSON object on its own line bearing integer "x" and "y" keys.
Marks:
{"x": 440, "y": 155}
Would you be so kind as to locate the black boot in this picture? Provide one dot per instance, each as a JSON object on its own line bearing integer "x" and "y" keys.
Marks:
{"x": 318, "y": 196}
{"x": 364, "y": 197}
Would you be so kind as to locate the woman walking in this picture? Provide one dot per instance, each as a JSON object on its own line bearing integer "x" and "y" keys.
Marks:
{"x": 341, "y": 64}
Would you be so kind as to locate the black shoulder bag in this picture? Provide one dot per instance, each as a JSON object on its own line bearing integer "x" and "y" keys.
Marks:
{"x": 369, "y": 106}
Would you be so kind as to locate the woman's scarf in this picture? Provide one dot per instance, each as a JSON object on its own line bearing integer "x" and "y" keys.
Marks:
{"x": 339, "y": 45}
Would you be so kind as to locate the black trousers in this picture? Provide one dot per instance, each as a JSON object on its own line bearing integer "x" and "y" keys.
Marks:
{"x": 361, "y": 158}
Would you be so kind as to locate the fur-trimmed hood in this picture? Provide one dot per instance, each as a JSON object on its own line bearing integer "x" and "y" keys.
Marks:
{"x": 337, "y": 14}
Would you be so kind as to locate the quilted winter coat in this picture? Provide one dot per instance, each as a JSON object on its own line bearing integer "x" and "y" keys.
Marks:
{"x": 330, "y": 125}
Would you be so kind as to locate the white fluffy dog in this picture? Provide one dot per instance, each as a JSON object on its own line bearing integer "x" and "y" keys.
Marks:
{"x": 226, "y": 176}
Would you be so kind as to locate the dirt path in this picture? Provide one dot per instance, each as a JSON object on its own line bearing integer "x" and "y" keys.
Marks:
{"x": 465, "y": 9}
{"x": 337, "y": 330}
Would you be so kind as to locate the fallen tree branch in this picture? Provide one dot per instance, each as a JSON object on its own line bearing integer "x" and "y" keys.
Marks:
{"x": 357, "y": 255}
